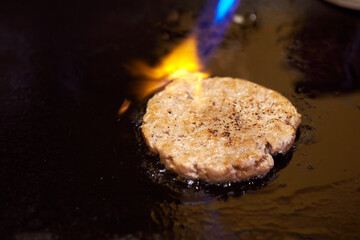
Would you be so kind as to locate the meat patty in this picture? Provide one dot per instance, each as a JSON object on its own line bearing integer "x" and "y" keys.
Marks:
{"x": 219, "y": 129}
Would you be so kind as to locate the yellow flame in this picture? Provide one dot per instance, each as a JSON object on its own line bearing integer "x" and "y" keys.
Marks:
{"x": 181, "y": 61}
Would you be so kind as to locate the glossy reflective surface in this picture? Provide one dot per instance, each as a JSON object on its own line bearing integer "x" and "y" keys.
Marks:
{"x": 71, "y": 169}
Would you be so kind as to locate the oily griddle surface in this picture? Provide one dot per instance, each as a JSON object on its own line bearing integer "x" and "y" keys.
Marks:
{"x": 70, "y": 169}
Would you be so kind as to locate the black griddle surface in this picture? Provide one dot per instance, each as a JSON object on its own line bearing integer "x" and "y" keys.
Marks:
{"x": 71, "y": 169}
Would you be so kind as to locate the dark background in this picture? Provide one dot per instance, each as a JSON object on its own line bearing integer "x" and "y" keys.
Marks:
{"x": 71, "y": 169}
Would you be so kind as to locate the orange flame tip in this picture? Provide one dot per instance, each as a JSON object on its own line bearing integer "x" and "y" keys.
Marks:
{"x": 124, "y": 107}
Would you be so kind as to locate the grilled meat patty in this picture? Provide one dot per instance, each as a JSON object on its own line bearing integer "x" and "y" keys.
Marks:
{"x": 219, "y": 129}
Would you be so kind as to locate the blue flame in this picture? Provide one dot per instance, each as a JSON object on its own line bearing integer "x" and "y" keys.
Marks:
{"x": 222, "y": 9}
{"x": 212, "y": 24}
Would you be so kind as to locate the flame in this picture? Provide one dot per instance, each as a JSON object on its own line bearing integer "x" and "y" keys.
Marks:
{"x": 188, "y": 57}
{"x": 222, "y": 9}
{"x": 124, "y": 107}
{"x": 181, "y": 61}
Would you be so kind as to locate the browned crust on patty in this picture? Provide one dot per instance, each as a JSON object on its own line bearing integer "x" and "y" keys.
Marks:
{"x": 219, "y": 129}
